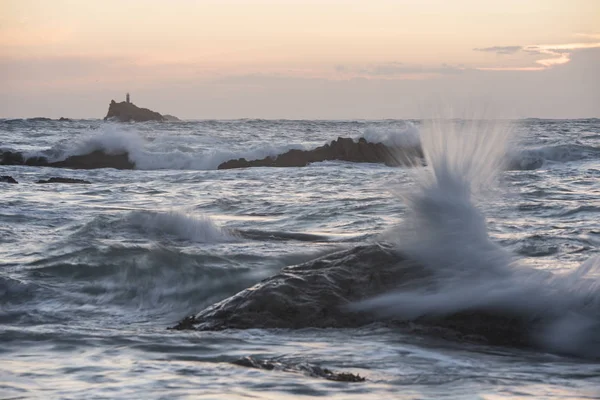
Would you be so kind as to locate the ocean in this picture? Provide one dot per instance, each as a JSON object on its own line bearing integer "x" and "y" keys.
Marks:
{"x": 92, "y": 275}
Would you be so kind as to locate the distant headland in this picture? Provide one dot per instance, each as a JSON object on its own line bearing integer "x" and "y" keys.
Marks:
{"x": 126, "y": 111}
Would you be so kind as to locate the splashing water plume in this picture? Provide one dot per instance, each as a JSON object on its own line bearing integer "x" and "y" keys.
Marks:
{"x": 447, "y": 234}
{"x": 463, "y": 158}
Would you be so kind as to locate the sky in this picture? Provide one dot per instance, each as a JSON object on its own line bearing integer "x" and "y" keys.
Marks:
{"x": 300, "y": 59}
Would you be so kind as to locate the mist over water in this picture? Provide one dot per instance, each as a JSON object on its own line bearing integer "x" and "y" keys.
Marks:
{"x": 92, "y": 275}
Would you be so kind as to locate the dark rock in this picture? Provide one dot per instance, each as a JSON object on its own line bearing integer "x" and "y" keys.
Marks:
{"x": 64, "y": 180}
{"x": 7, "y": 179}
{"x": 93, "y": 160}
{"x": 185, "y": 324}
{"x": 316, "y": 294}
{"x": 39, "y": 119}
{"x": 343, "y": 149}
{"x": 313, "y": 294}
{"x": 63, "y": 119}
{"x": 311, "y": 370}
{"x": 127, "y": 112}
{"x": 12, "y": 158}
{"x": 171, "y": 118}
{"x": 16, "y": 158}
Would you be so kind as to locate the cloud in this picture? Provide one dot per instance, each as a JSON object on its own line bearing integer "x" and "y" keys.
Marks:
{"x": 554, "y": 54}
{"x": 398, "y": 70}
{"x": 501, "y": 49}
{"x": 565, "y": 91}
{"x": 591, "y": 36}
{"x": 559, "y": 53}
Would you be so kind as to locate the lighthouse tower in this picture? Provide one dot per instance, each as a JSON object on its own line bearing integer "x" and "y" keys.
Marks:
{"x": 127, "y": 98}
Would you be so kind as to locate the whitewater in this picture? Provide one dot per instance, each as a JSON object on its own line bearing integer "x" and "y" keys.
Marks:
{"x": 91, "y": 276}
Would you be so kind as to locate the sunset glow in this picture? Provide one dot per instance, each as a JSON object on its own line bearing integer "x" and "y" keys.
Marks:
{"x": 101, "y": 49}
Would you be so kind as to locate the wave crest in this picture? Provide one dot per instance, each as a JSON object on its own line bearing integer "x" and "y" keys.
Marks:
{"x": 181, "y": 225}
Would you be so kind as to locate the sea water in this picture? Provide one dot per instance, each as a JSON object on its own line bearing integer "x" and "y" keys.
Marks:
{"x": 92, "y": 275}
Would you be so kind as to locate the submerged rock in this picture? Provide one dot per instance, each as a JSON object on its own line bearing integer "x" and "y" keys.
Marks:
{"x": 127, "y": 112}
{"x": 343, "y": 149}
{"x": 7, "y": 179}
{"x": 317, "y": 293}
{"x": 311, "y": 370}
{"x": 93, "y": 160}
{"x": 63, "y": 180}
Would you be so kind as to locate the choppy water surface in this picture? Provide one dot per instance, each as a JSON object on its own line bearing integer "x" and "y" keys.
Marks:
{"x": 92, "y": 275}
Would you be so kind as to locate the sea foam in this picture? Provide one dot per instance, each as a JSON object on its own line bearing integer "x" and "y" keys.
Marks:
{"x": 406, "y": 135}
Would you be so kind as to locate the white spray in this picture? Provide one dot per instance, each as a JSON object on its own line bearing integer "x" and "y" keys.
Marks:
{"x": 446, "y": 233}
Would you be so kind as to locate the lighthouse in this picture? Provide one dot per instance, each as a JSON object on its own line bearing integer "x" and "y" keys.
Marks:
{"x": 127, "y": 98}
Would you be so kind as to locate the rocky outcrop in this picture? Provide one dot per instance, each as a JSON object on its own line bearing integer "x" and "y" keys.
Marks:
{"x": 63, "y": 180}
{"x": 129, "y": 112}
{"x": 7, "y": 179}
{"x": 317, "y": 293}
{"x": 16, "y": 158}
{"x": 343, "y": 149}
{"x": 93, "y": 160}
{"x": 311, "y": 294}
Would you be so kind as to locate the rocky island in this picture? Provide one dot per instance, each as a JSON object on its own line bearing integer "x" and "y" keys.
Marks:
{"x": 126, "y": 111}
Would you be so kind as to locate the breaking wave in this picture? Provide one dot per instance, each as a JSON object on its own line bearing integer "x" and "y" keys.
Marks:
{"x": 405, "y": 136}
{"x": 164, "y": 152}
{"x": 147, "y": 155}
{"x": 157, "y": 225}
{"x": 179, "y": 224}
{"x": 537, "y": 157}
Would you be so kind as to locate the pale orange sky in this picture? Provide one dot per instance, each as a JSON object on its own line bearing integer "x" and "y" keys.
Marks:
{"x": 298, "y": 59}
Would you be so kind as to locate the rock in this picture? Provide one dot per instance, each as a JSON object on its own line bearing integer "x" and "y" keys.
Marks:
{"x": 16, "y": 158}
{"x": 7, "y": 179}
{"x": 316, "y": 294}
{"x": 93, "y": 160}
{"x": 64, "y": 180}
{"x": 127, "y": 112}
{"x": 311, "y": 294}
{"x": 311, "y": 370}
{"x": 343, "y": 149}
{"x": 171, "y": 118}
{"x": 63, "y": 119}
{"x": 39, "y": 119}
